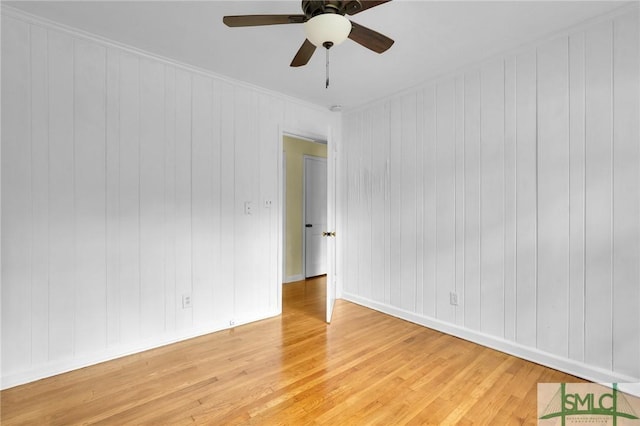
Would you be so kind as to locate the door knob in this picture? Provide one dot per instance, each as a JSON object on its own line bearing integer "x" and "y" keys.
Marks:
{"x": 328, "y": 234}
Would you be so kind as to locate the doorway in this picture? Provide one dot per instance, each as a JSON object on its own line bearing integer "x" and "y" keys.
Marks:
{"x": 292, "y": 222}
{"x": 296, "y": 151}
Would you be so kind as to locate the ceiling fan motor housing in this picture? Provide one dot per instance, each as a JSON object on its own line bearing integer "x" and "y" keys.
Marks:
{"x": 312, "y": 8}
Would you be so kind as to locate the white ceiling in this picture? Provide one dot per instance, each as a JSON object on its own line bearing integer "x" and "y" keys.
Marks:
{"x": 431, "y": 37}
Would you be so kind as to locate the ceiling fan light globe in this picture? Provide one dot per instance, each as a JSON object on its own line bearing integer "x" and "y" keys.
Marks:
{"x": 327, "y": 28}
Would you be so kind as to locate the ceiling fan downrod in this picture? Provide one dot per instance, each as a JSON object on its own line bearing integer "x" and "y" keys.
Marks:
{"x": 327, "y": 45}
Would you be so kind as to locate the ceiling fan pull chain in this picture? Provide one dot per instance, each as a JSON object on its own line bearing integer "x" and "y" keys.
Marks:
{"x": 327, "y": 70}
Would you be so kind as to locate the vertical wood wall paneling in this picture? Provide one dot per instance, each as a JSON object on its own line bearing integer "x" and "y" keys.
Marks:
{"x": 259, "y": 280}
{"x": 385, "y": 131}
{"x": 459, "y": 158}
{"x": 266, "y": 158}
{"x": 429, "y": 177}
{"x": 270, "y": 113}
{"x": 183, "y": 198}
{"x": 227, "y": 195}
{"x": 599, "y": 183}
{"x": 152, "y": 198}
{"x": 378, "y": 206}
{"x": 510, "y": 301}
{"x": 366, "y": 195}
{"x": 90, "y": 183}
{"x": 420, "y": 207}
{"x": 576, "y": 196}
{"x": 245, "y": 160}
{"x": 112, "y": 176}
{"x": 395, "y": 200}
{"x": 340, "y": 219}
{"x": 526, "y": 189}
{"x": 61, "y": 198}
{"x": 349, "y": 209}
{"x": 626, "y": 195}
{"x": 257, "y": 285}
{"x": 360, "y": 222}
{"x": 527, "y": 198}
{"x": 355, "y": 198}
{"x": 171, "y": 300}
{"x": 492, "y": 197}
{"x": 16, "y": 196}
{"x": 472, "y": 113}
{"x": 357, "y": 206}
{"x": 129, "y": 190}
{"x": 40, "y": 197}
{"x": 124, "y": 181}
{"x": 445, "y": 199}
{"x": 220, "y": 293}
{"x": 408, "y": 243}
{"x": 202, "y": 202}
{"x": 368, "y": 202}
{"x": 553, "y": 196}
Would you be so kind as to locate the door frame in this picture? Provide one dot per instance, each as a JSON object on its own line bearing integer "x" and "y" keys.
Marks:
{"x": 302, "y": 134}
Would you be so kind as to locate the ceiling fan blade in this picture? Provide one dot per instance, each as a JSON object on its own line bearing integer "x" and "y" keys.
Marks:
{"x": 304, "y": 54}
{"x": 370, "y": 39}
{"x": 354, "y": 6}
{"x": 257, "y": 20}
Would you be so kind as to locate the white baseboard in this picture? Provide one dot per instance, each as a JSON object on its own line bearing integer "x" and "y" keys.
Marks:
{"x": 293, "y": 278}
{"x": 576, "y": 368}
{"x": 50, "y": 369}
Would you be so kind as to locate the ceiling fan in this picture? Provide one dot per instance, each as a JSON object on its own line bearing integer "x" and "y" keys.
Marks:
{"x": 324, "y": 24}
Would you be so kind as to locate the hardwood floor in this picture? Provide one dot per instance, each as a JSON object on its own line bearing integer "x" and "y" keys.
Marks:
{"x": 364, "y": 368}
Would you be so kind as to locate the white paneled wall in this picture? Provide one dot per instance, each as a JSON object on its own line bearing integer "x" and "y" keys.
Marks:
{"x": 516, "y": 185}
{"x": 124, "y": 179}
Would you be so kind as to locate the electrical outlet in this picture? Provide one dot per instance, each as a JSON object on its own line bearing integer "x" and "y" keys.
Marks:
{"x": 248, "y": 208}
{"x": 186, "y": 301}
{"x": 232, "y": 322}
{"x": 267, "y": 204}
{"x": 453, "y": 298}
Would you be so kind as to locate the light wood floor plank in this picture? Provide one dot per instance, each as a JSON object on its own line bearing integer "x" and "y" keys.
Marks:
{"x": 365, "y": 368}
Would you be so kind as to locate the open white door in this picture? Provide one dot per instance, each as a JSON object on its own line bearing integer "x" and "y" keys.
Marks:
{"x": 330, "y": 234}
{"x": 315, "y": 216}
